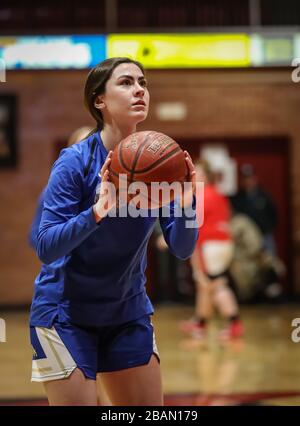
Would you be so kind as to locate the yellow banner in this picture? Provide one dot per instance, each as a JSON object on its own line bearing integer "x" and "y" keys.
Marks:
{"x": 182, "y": 50}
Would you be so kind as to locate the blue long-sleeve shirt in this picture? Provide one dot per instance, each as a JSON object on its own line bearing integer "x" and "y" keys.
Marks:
{"x": 34, "y": 229}
{"x": 94, "y": 274}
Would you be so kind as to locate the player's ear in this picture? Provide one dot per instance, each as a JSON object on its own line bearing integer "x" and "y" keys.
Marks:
{"x": 98, "y": 103}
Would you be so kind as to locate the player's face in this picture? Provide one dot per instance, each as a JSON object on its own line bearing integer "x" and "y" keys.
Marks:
{"x": 126, "y": 97}
{"x": 249, "y": 182}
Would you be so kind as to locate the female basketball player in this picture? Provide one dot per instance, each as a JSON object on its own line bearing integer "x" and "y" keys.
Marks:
{"x": 210, "y": 263}
{"x": 90, "y": 314}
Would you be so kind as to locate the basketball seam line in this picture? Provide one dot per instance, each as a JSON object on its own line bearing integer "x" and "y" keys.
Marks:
{"x": 159, "y": 161}
{"x": 121, "y": 159}
{"x": 137, "y": 156}
{"x": 146, "y": 183}
{"x": 167, "y": 147}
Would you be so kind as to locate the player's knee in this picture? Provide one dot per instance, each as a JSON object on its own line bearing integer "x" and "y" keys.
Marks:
{"x": 220, "y": 281}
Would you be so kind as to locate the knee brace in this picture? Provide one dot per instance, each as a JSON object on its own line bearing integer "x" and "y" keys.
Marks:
{"x": 224, "y": 274}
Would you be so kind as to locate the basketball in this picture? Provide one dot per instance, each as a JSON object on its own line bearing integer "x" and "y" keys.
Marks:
{"x": 148, "y": 157}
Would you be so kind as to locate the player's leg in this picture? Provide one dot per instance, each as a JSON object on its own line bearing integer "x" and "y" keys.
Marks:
{"x": 218, "y": 258}
{"x": 203, "y": 308}
{"x": 227, "y": 305}
{"x": 140, "y": 386}
{"x": 224, "y": 298}
{"x": 218, "y": 255}
{"x": 204, "y": 305}
{"x": 203, "y": 298}
{"x": 74, "y": 390}
{"x": 103, "y": 398}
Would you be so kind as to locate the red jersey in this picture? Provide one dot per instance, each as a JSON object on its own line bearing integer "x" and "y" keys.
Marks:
{"x": 217, "y": 215}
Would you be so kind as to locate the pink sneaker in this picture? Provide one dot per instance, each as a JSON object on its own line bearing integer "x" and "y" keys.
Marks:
{"x": 234, "y": 330}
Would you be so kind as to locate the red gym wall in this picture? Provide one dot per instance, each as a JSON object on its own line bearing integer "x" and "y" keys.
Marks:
{"x": 247, "y": 106}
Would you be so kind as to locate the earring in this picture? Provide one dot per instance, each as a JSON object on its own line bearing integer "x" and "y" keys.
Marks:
{"x": 99, "y": 106}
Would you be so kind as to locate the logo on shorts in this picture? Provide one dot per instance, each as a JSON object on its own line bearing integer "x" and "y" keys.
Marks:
{"x": 296, "y": 332}
{"x": 34, "y": 353}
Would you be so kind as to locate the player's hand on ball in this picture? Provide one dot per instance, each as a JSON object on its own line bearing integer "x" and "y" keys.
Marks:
{"x": 190, "y": 191}
{"x": 107, "y": 195}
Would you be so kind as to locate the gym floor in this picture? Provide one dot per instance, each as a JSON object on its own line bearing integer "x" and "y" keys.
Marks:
{"x": 261, "y": 369}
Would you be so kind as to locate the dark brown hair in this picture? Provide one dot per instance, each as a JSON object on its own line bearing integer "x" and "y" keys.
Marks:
{"x": 96, "y": 83}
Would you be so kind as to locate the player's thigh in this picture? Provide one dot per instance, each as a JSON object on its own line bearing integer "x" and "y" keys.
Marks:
{"x": 103, "y": 398}
{"x": 135, "y": 386}
{"x": 74, "y": 390}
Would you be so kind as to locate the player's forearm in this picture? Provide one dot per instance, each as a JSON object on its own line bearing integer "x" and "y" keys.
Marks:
{"x": 181, "y": 230}
{"x": 182, "y": 240}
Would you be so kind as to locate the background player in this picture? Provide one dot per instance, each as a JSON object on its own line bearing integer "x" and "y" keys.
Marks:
{"x": 210, "y": 262}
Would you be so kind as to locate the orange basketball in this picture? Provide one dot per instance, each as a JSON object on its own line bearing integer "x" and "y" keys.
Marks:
{"x": 148, "y": 157}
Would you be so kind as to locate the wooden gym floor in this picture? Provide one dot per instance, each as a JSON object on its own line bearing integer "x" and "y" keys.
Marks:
{"x": 262, "y": 369}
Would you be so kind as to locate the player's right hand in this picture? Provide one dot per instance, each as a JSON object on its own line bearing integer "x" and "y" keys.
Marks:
{"x": 107, "y": 195}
